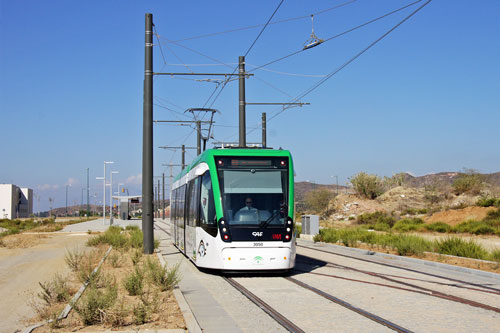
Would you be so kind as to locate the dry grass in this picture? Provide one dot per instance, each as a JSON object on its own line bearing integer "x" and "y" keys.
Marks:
{"x": 154, "y": 308}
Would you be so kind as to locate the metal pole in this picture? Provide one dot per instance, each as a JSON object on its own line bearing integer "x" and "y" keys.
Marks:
{"x": 264, "y": 129}
{"x": 198, "y": 137}
{"x": 183, "y": 157}
{"x": 147, "y": 140}
{"x": 104, "y": 196}
{"x": 154, "y": 201}
{"x": 88, "y": 189}
{"x": 158, "y": 199}
{"x": 66, "y": 200}
{"x": 163, "y": 196}
{"x": 111, "y": 197}
{"x": 243, "y": 134}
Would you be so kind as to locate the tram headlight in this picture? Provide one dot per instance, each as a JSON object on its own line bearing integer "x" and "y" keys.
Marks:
{"x": 289, "y": 229}
{"x": 224, "y": 231}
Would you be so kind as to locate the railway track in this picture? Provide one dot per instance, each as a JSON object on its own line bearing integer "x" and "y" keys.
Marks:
{"x": 495, "y": 290}
{"x": 404, "y": 285}
{"x": 286, "y": 323}
{"x": 411, "y": 287}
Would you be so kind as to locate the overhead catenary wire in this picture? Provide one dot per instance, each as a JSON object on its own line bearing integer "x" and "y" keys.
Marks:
{"x": 337, "y": 35}
{"x": 338, "y": 69}
{"x": 271, "y": 23}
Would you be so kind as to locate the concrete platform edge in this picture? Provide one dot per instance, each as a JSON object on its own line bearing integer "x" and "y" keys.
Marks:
{"x": 191, "y": 322}
{"x": 421, "y": 262}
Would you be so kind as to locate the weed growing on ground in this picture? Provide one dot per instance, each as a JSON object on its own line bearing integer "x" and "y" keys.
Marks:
{"x": 136, "y": 257}
{"x": 459, "y": 247}
{"x": 371, "y": 219}
{"x": 161, "y": 276}
{"x": 73, "y": 259}
{"x": 131, "y": 227}
{"x": 495, "y": 255}
{"x": 115, "y": 260}
{"x": 134, "y": 282}
{"x": 407, "y": 245}
{"x": 136, "y": 238}
{"x": 55, "y": 290}
{"x": 95, "y": 303}
{"x": 438, "y": 227}
{"x": 409, "y": 224}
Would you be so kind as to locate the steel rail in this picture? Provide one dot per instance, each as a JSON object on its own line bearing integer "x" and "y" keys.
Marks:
{"x": 278, "y": 317}
{"x": 402, "y": 268}
{"x": 426, "y": 291}
{"x": 351, "y": 307}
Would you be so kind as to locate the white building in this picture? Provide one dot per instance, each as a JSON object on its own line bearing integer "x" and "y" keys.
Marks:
{"x": 15, "y": 202}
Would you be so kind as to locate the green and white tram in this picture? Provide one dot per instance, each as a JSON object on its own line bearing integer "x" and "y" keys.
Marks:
{"x": 233, "y": 209}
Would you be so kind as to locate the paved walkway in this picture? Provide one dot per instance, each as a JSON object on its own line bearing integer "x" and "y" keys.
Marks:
{"x": 99, "y": 225}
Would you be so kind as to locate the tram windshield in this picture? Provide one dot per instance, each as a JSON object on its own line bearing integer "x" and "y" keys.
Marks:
{"x": 254, "y": 196}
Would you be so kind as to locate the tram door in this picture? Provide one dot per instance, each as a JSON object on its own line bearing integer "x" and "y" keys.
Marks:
{"x": 181, "y": 200}
{"x": 192, "y": 207}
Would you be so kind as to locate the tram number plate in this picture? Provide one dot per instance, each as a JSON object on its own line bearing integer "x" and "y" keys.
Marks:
{"x": 258, "y": 244}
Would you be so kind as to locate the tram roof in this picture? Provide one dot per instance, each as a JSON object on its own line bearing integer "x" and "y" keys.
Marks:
{"x": 208, "y": 155}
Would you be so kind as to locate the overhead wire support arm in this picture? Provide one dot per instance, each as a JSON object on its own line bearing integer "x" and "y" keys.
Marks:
{"x": 206, "y": 74}
{"x": 184, "y": 121}
{"x": 298, "y": 104}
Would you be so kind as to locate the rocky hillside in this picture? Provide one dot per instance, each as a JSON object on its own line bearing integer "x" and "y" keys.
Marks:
{"x": 445, "y": 178}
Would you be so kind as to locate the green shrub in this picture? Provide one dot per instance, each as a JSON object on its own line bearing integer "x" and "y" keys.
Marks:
{"x": 134, "y": 282}
{"x": 476, "y": 227}
{"x": 141, "y": 314}
{"x": 136, "y": 239}
{"x": 486, "y": 202}
{"x": 317, "y": 200}
{"x": 492, "y": 215}
{"x": 468, "y": 182}
{"x": 161, "y": 276}
{"x": 94, "y": 304}
{"x": 495, "y": 255}
{"x": 409, "y": 224}
{"x": 381, "y": 226}
{"x": 131, "y": 227}
{"x": 367, "y": 186}
{"x": 372, "y": 219}
{"x": 459, "y": 247}
{"x": 136, "y": 257}
{"x": 438, "y": 227}
{"x": 410, "y": 245}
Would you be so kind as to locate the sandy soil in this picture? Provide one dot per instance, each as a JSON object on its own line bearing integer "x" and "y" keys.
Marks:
{"x": 457, "y": 216}
{"x": 37, "y": 259}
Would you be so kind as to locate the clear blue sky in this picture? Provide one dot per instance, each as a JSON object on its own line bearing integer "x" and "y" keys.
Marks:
{"x": 425, "y": 99}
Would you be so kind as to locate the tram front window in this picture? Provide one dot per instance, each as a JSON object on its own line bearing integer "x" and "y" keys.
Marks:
{"x": 253, "y": 197}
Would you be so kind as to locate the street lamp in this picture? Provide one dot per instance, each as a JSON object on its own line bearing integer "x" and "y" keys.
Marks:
{"x": 104, "y": 192}
{"x": 111, "y": 197}
{"x": 67, "y": 199}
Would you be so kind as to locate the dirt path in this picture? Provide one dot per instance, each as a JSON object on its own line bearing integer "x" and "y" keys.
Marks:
{"x": 22, "y": 268}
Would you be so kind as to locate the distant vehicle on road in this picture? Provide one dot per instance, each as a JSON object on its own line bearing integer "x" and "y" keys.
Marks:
{"x": 233, "y": 210}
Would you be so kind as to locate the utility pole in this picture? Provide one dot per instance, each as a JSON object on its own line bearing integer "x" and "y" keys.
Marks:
{"x": 264, "y": 135}
{"x": 88, "y": 189}
{"x": 147, "y": 140}
{"x": 183, "y": 157}
{"x": 163, "y": 196}
{"x": 243, "y": 133}
{"x": 158, "y": 199}
{"x": 198, "y": 137}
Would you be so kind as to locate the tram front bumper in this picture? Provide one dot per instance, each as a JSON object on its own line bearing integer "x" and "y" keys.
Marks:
{"x": 242, "y": 258}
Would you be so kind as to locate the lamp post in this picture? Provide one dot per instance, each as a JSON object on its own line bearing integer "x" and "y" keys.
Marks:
{"x": 119, "y": 201}
{"x": 67, "y": 199}
{"x": 104, "y": 193}
{"x": 337, "y": 184}
{"x": 111, "y": 197}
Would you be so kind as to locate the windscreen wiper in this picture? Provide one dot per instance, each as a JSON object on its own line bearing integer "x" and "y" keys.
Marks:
{"x": 266, "y": 222}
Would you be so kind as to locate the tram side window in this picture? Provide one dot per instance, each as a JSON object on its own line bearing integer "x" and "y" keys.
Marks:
{"x": 208, "y": 219}
{"x": 193, "y": 198}
{"x": 181, "y": 200}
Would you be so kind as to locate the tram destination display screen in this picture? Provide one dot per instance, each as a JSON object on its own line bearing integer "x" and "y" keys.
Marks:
{"x": 252, "y": 162}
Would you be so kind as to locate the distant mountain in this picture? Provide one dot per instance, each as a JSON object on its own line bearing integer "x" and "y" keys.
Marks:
{"x": 446, "y": 178}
